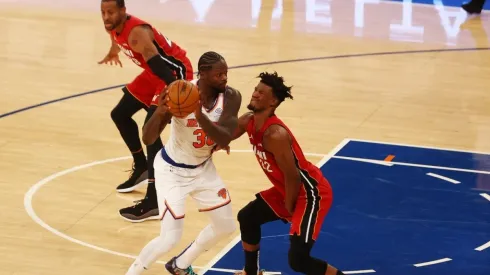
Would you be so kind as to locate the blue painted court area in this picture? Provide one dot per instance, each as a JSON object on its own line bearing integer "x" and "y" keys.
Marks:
{"x": 449, "y": 3}
{"x": 388, "y": 216}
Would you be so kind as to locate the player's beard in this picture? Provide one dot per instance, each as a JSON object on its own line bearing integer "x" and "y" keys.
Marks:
{"x": 254, "y": 109}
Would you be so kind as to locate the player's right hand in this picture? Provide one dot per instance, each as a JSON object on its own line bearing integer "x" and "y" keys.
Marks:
{"x": 111, "y": 59}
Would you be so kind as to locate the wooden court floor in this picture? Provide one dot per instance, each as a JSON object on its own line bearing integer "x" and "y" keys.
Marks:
{"x": 372, "y": 79}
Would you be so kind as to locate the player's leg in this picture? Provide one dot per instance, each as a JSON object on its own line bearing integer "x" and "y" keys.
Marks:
{"x": 307, "y": 220}
{"x": 265, "y": 208}
{"x": 213, "y": 199}
{"x": 135, "y": 98}
{"x": 172, "y": 186}
{"x": 301, "y": 261}
{"x": 147, "y": 208}
{"x": 152, "y": 151}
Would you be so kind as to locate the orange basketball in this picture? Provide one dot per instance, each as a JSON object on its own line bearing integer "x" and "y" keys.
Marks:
{"x": 183, "y": 98}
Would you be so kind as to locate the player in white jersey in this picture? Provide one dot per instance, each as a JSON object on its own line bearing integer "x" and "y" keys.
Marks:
{"x": 184, "y": 167}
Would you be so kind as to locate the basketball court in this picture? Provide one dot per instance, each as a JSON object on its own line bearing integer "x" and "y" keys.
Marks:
{"x": 391, "y": 101}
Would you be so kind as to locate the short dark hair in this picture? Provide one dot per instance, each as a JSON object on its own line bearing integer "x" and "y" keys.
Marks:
{"x": 280, "y": 91}
{"x": 119, "y": 3}
{"x": 207, "y": 60}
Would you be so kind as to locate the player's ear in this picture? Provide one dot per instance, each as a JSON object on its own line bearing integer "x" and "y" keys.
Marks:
{"x": 274, "y": 102}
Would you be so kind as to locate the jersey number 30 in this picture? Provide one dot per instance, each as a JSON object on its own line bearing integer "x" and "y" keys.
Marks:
{"x": 202, "y": 139}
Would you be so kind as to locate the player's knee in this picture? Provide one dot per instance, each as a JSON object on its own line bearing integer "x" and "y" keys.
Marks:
{"x": 117, "y": 115}
{"x": 114, "y": 114}
{"x": 226, "y": 227}
{"x": 246, "y": 214}
{"x": 170, "y": 238}
{"x": 297, "y": 260}
{"x": 249, "y": 228}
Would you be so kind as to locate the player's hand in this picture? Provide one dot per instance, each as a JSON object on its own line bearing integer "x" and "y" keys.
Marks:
{"x": 163, "y": 107}
{"x": 217, "y": 148}
{"x": 111, "y": 59}
{"x": 290, "y": 207}
{"x": 198, "y": 110}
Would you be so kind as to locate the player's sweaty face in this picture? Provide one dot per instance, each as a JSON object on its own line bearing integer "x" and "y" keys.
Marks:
{"x": 262, "y": 98}
{"x": 111, "y": 15}
{"x": 218, "y": 75}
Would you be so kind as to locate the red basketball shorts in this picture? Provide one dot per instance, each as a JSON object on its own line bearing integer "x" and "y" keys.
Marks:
{"x": 146, "y": 87}
{"x": 309, "y": 212}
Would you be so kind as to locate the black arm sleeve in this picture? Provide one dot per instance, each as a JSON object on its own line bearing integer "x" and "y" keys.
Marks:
{"x": 160, "y": 68}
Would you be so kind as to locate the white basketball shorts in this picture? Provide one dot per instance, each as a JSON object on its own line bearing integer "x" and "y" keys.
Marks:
{"x": 173, "y": 184}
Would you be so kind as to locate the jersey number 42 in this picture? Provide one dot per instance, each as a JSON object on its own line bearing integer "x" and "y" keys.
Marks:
{"x": 202, "y": 139}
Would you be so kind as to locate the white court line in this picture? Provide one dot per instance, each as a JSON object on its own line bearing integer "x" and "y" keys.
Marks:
{"x": 487, "y": 245}
{"x": 483, "y": 247}
{"x": 360, "y": 271}
{"x": 415, "y": 165}
{"x": 433, "y": 262}
{"x": 30, "y": 210}
{"x": 332, "y": 153}
{"x": 443, "y": 178}
{"x": 486, "y": 196}
{"x": 373, "y": 161}
{"x": 420, "y": 146}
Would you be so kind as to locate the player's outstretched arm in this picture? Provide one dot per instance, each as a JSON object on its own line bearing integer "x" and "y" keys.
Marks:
{"x": 239, "y": 131}
{"x": 242, "y": 125}
{"x": 222, "y": 132}
{"x": 113, "y": 54}
{"x": 141, "y": 41}
{"x": 278, "y": 142}
{"x": 157, "y": 122}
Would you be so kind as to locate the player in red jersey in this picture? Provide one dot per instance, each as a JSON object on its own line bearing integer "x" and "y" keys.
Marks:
{"x": 300, "y": 194}
{"x": 162, "y": 62}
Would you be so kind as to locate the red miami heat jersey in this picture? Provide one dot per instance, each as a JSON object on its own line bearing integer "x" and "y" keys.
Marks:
{"x": 171, "y": 52}
{"x": 312, "y": 178}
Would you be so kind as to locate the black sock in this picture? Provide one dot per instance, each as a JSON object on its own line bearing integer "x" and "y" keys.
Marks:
{"x": 139, "y": 159}
{"x": 251, "y": 262}
{"x": 151, "y": 192}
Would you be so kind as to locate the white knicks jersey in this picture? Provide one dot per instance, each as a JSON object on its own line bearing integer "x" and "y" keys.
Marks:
{"x": 188, "y": 143}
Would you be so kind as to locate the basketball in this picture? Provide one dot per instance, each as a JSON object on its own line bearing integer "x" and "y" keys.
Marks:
{"x": 183, "y": 98}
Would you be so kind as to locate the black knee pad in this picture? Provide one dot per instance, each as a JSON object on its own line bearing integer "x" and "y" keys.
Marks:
{"x": 249, "y": 228}
{"x": 244, "y": 215}
{"x": 299, "y": 258}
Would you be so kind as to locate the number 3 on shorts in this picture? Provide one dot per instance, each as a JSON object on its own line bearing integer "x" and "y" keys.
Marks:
{"x": 202, "y": 139}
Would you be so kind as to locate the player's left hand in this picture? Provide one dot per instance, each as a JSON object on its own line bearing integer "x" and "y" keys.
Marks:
{"x": 198, "y": 110}
{"x": 217, "y": 148}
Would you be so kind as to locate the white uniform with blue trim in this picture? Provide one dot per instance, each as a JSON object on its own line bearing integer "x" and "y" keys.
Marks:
{"x": 185, "y": 166}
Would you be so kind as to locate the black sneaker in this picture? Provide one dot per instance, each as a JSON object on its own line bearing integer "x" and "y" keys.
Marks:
{"x": 171, "y": 267}
{"x": 472, "y": 8}
{"x": 142, "y": 211}
{"x": 137, "y": 177}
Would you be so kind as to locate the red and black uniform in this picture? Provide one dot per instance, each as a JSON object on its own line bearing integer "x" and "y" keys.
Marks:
{"x": 146, "y": 87}
{"x": 315, "y": 194}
